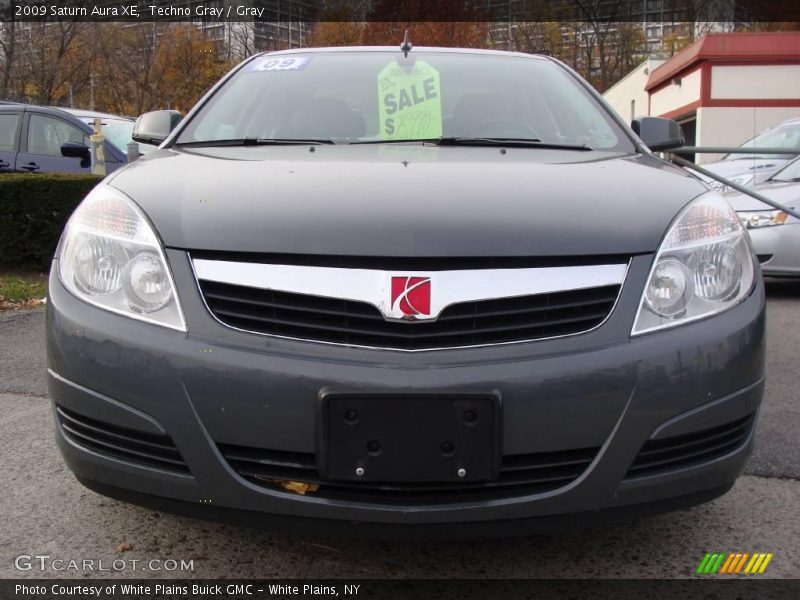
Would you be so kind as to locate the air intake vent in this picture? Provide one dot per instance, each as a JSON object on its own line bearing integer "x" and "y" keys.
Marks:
{"x": 357, "y": 323}
{"x": 120, "y": 442}
{"x": 660, "y": 456}
{"x": 520, "y": 475}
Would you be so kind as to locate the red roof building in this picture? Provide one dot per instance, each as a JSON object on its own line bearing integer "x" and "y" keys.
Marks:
{"x": 726, "y": 87}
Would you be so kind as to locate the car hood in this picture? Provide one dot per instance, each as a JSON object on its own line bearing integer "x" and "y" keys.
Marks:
{"x": 787, "y": 193}
{"x": 407, "y": 200}
{"x": 761, "y": 167}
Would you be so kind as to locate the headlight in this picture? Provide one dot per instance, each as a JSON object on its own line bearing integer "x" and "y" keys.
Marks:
{"x": 110, "y": 256}
{"x": 705, "y": 265}
{"x": 753, "y": 219}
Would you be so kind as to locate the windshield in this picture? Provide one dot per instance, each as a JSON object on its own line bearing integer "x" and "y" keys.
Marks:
{"x": 790, "y": 172}
{"x": 118, "y": 132}
{"x": 781, "y": 136}
{"x": 380, "y": 96}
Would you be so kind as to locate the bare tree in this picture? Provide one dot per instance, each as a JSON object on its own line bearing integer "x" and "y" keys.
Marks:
{"x": 240, "y": 41}
{"x": 598, "y": 37}
{"x": 47, "y": 61}
{"x": 8, "y": 47}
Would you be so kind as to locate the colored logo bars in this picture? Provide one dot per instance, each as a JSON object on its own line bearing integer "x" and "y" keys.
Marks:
{"x": 736, "y": 562}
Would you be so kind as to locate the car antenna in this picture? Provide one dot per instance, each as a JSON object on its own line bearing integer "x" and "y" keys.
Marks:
{"x": 406, "y": 46}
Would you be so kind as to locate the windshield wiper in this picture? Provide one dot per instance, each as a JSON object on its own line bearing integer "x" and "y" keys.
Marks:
{"x": 483, "y": 141}
{"x": 440, "y": 141}
{"x": 255, "y": 142}
{"x": 510, "y": 143}
{"x": 399, "y": 141}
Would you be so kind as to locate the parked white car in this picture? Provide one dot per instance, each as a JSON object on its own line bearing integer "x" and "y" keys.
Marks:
{"x": 774, "y": 233}
{"x": 752, "y": 169}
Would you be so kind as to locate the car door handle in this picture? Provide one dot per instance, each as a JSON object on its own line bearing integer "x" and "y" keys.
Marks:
{"x": 31, "y": 166}
{"x": 4, "y": 164}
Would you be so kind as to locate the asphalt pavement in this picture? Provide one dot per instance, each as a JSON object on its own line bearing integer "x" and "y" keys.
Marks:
{"x": 46, "y": 512}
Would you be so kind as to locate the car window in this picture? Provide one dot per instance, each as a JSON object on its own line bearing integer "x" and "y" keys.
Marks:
{"x": 118, "y": 133}
{"x": 781, "y": 136}
{"x": 361, "y": 96}
{"x": 790, "y": 172}
{"x": 8, "y": 130}
{"x": 47, "y": 134}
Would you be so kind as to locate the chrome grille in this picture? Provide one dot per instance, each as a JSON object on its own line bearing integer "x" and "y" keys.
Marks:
{"x": 357, "y": 323}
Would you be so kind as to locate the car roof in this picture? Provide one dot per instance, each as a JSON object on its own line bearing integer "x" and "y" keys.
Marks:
{"x": 48, "y": 110}
{"x": 792, "y": 121}
{"x": 332, "y": 50}
{"x": 79, "y": 113}
{"x": 82, "y": 113}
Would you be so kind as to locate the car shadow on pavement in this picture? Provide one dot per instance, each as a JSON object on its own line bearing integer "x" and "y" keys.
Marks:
{"x": 782, "y": 288}
{"x": 669, "y": 545}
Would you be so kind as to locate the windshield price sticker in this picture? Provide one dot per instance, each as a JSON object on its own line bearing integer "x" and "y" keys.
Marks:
{"x": 410, "y": 102}
{"x": 295, "y": 63}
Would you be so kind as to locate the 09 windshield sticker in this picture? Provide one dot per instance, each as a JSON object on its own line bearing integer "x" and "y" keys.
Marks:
{"x": 291, "y": 63}
{"x": 410, "y": 102}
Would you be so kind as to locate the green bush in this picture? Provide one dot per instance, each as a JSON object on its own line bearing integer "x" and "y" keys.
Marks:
{"x": 33, "y": 211}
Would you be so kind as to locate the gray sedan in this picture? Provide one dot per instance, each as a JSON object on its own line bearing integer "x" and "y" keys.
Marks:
{"x": 775, "y": 234}
{"x": 372, "y": 292}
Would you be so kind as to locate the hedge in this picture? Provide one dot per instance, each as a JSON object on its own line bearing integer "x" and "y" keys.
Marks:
{"x": 33, "y": 211}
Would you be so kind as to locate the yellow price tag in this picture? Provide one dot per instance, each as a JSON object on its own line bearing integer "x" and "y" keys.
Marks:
{"x": 410, "y": 102}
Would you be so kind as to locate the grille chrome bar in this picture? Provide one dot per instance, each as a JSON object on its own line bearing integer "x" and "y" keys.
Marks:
{"x": 351, "y": 306}
{"x": 373, "y": 286}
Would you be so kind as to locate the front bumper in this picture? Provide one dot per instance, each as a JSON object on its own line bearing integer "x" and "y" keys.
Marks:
{"x": 778, "y": 248}
{"x": 215, "y": 386}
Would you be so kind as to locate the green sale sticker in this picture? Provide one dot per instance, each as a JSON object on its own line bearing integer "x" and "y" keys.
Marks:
{"x": 410, "y": 102}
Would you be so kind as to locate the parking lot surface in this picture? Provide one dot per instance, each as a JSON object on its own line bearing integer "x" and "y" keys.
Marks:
{"x": 46, "y": 512}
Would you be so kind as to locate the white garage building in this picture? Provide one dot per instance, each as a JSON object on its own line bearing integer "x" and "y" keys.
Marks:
{"x": 723, "y": 89}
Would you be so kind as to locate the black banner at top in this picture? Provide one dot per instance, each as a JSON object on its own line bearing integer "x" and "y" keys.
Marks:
{"x": 745, "y": 12}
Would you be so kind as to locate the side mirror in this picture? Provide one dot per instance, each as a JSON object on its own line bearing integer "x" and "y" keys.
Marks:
{"x": 154, "y": 127}
{"x": 658, "y": 134}
{"x": 76, "y": 150}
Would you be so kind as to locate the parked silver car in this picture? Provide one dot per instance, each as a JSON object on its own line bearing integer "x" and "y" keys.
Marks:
{"x": 775, "y": 234}
{"x": 752, "y": 169}
{"x": 116, "y": 129}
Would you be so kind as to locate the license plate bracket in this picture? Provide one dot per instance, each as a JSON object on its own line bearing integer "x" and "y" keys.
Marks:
{"x": 409, "y": 438}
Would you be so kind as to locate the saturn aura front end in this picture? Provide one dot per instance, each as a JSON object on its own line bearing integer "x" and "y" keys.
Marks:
{"x": 444, "y": 293}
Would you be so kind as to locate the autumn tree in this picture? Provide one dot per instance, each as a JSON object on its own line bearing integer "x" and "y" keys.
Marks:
{"x": 456, "y": 23}
{"x": 676, "y": 37}
{"x": 47, "y": 64}
{"x": 335, "y": 33}
{"x": 127, "y": 69}
{"x": 187, "y": 65}
{"x": 341, "y": 24}
{"x": 552, "y": 38}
